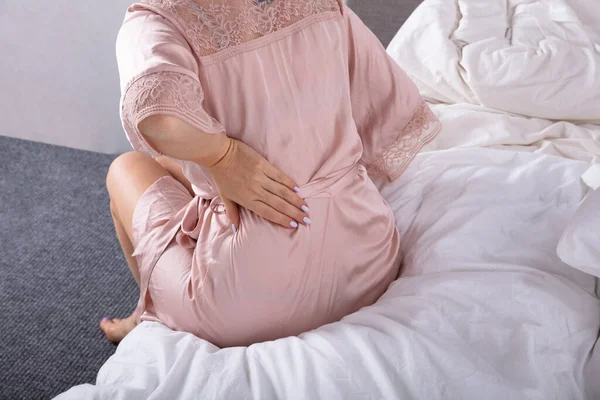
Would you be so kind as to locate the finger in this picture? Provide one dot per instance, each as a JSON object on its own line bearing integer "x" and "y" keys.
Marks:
{"x": 285, "y": 208}
{"x": 233, "y": 213}
{"x": 286, "y": 194}
{"x": 275, "y": 174}
{"x": 270, "y": 214}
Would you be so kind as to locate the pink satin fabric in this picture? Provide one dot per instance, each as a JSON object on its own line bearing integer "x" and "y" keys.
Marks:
{"x": 319, "y": 98}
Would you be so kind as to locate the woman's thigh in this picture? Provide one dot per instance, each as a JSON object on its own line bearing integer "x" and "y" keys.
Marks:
{"x": 129, "y": 176}
{"x": 176, "y": 172}
{"x": 168, "y": 288}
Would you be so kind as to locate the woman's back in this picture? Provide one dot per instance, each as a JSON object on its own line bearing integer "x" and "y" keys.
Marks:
{"x": 306, "y": 85}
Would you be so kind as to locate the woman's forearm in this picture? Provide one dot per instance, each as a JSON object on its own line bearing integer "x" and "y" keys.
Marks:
{"x": 174, "y": 137}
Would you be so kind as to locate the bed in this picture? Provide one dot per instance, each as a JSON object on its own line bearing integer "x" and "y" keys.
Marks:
{"x": 492, "y": 300}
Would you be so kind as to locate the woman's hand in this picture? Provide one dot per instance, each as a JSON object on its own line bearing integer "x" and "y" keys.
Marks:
{"x": 242, "y": 175}
{"x": 246, "y": 178}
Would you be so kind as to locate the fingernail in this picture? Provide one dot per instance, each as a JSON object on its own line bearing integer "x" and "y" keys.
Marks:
{"x": 296, "y": 189}
{"x": 306, "y": 220}
{"x": 233, "y": 228}
{"x": 305, "y": 209}
{"x": 294, "y": 224}
{"x": 105, "y": 319}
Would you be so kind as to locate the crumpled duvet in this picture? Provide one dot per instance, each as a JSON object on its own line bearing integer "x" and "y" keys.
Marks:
{"x": 520, "y": 75}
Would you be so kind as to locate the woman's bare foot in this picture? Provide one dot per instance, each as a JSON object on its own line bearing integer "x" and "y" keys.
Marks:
{"x": 116, "y": 329}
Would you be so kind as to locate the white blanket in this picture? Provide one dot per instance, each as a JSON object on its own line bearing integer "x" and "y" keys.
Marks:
{"x": 484, "y": 307}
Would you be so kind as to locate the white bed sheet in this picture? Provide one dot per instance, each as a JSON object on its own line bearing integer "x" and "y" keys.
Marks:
{"x": 484, "y": 308}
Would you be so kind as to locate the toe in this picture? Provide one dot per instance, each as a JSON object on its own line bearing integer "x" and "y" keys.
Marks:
{"x": 111, "y": 331}
{"x": 105, "y": 324}
{"x": 116, "y": 329}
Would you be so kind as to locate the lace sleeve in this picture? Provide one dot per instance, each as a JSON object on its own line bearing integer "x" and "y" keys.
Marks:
{"x": 420, "y": 130}
{"x": 167, "y": 93}
{"x": 391, "y": 118}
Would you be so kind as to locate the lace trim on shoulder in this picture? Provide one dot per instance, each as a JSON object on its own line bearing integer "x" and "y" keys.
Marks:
{"x": 215, "y": 25}
{"x": 420, "y": 130}
{"x": 166, "y": 92}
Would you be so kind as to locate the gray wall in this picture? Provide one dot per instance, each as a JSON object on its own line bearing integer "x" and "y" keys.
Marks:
{"x": 58, "y": 75}
{"x": 384, "y": 17}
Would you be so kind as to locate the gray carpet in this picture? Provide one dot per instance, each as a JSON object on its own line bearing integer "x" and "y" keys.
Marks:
{"x": 61, "y": 268}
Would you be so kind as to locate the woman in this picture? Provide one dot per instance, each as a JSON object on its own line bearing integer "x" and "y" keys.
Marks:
{"x": 246, "y": 213}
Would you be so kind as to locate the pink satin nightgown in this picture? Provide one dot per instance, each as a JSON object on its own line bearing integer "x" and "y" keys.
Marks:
{"x": 308, "y": 86}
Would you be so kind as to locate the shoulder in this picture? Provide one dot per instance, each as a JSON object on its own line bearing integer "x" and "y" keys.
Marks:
{"x": 150, "y": 41}
{"x": 211, "y": 26}
{"x": 170, "y": 6}
{"x": 170, "y": 11}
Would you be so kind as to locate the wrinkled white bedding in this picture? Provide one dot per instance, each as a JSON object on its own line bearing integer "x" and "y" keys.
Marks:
{"x": 484, "y": 307}
{"x": 539, "y": 58}
{"x": 524, "y": 74}
{"x": 579, "y": 246}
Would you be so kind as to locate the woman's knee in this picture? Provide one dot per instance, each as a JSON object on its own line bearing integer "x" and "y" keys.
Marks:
{"x": 129, "y": 176}
{"x": 124, "y": 165}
